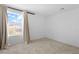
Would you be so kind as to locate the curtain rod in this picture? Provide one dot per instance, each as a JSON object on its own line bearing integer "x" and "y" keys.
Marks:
{"x": 22, "y": 10}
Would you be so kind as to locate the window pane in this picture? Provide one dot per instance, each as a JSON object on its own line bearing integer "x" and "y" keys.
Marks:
{"x": 14, "y": 22}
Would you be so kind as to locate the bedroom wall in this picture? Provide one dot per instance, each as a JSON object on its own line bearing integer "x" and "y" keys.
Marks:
{"x": 64, "y": 27}
{"x": 36, "y": 26}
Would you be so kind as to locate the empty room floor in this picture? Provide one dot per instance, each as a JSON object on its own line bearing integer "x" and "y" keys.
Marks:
{"x": 41, "y": 46}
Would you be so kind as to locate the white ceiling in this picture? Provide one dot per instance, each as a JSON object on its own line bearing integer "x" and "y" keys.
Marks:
{"x": 44, "y": 9}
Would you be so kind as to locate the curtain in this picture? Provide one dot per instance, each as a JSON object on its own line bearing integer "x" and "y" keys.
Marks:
{"x": 0, "y": 26}
{"x": 3, "y": 30}
{"x": 26, "y": 28}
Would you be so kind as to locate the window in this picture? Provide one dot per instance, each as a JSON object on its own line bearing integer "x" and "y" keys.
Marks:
{"x": 15, "y": 22}
{"x": 15, "y": 26}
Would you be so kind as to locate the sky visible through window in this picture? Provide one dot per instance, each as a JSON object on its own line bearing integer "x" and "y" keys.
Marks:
{"x": 14, "y": 23}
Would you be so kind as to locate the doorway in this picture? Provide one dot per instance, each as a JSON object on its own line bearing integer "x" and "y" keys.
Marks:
{"x": 14, "y": 27}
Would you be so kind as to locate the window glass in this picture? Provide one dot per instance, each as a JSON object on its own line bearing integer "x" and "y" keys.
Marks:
{"x": 15, "y": 22}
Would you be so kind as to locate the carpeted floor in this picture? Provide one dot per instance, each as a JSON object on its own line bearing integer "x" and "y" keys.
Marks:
{"x": 41, "y": 46}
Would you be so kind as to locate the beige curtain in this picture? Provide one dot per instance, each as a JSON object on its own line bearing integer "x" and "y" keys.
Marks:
{"x": 3, "y": 27}
{"x": 3, "y": 30}
{"x": 26, "y": 28}
{"x": 0, "y": 26}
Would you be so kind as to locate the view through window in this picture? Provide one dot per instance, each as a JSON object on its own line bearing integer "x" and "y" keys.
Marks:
{"x": 15, "y": 25}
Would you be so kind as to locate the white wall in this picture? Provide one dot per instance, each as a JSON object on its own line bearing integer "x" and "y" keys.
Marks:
{"x": 36, "y": 26}
{"x": 64, "y": 27}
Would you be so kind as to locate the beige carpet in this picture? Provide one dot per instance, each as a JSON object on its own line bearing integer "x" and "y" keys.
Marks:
{"x": 40, "y": 46}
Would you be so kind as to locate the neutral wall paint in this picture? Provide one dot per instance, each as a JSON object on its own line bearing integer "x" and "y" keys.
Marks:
{"x": 36, "y": 26}
{"x": 64, "y": 27}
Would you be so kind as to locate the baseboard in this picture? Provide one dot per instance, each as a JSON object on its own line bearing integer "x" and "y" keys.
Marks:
{"x": 56, "y": 41}
{"x": 63, "y": 43}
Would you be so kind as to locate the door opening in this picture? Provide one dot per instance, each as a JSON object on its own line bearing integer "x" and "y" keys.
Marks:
{"x": 14, "y": 27}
